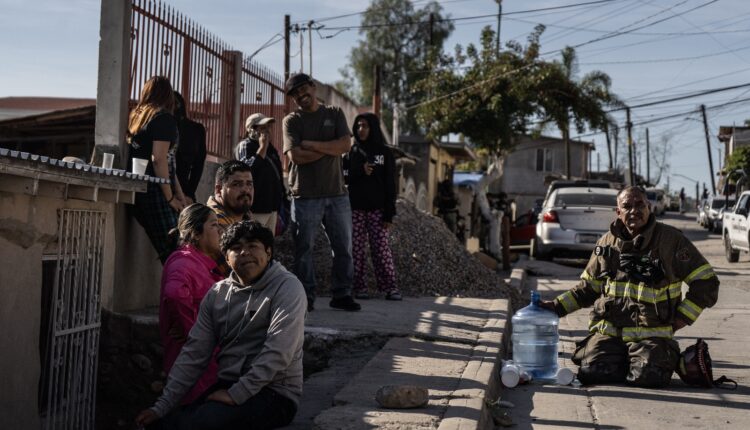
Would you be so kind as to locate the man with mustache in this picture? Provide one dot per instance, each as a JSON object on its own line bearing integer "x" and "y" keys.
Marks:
{"x": 315, "y": 138}
{"x": 233, "y": 193}
{"x": 634, "y": 282}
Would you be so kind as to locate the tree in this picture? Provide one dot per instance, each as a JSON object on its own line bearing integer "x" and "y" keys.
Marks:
{"x": 483, "y": 94}
{"x": 563, "y": 98}
{"x": 401, "y": 39}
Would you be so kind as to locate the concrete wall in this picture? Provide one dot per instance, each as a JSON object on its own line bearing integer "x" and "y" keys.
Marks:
{"x": 28, "y": 231}
{"x": 331, "y": 96}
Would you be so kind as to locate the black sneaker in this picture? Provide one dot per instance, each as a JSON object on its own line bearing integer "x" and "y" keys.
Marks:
{"x": 393, "y": 295}
{"x": 345, "y": 303}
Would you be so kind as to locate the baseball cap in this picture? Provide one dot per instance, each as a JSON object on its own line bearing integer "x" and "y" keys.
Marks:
{"x": 297, "y": 80}
{"x": 257, "y": 119}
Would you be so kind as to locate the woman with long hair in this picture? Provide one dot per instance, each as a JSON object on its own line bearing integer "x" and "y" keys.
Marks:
{"x": 371, "y": 175}
{"x": 188, "y": 274}
{"x": 152, "y": 136}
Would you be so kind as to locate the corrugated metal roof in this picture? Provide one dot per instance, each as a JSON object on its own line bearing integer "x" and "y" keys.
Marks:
{"x": 82, "y": 167}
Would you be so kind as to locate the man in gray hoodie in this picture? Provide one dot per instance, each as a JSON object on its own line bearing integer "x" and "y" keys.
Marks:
{"x": 255, "y": 321}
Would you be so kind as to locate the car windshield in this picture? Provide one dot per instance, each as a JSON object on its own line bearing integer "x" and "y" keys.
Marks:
{"x": 588, "y": 199}
{"x": 720, "y": 203}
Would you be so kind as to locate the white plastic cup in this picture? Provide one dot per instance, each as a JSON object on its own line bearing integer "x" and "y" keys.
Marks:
{"x": 564, "y": 376}
{"x": 510, "y": 374}
{"x": 107, "y": 160}
{"x": 139, "y": 166}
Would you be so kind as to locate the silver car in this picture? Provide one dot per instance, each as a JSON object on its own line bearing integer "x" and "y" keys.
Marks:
{"x": 572, "y": 220}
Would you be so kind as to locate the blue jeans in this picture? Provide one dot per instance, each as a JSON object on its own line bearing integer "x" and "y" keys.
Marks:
{"x": 336, "y": 215}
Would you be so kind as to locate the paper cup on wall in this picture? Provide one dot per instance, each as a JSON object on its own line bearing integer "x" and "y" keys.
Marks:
{"x": 139, "y": 166}
{"x": 107, "y": 160}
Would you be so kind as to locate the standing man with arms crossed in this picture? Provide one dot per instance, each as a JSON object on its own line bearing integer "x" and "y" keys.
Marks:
{"x": 634, "y": 281}
{"x": 315, "y": 138}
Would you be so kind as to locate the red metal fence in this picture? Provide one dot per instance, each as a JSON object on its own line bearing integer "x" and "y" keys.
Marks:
{"x": 203, "y": 68}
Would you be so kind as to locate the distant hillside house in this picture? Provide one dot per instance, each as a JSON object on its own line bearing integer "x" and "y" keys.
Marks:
{"x": 533, "y": 162}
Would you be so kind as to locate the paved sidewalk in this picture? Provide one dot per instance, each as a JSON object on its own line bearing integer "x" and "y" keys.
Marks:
{"x": 448, "y": 345}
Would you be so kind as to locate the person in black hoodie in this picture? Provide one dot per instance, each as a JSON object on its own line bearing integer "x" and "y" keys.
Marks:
{"x": 370, "y": 171}
{"x": 258, "y": 152}
{"x": 191, "y": 149}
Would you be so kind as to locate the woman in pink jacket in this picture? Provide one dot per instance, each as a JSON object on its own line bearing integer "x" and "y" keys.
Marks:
{"x": 188, "y": 274}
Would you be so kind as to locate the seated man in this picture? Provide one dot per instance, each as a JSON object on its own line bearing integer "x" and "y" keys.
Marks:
{"x": 233, "y": 193}
{"x": 634, "y": 281}
{"x": 256, "y": 320}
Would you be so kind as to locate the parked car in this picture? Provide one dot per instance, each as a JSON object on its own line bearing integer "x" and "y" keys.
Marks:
{"x": 523, "y": 229}
{"x": 567, "y": 183}
{"x": 702, "y": 217}
{"x": 657, "y": 200}
{"x": 674, "y": 203}
{"x": 735, "y": 228}
{"x": 572, "y": 220}
{"x": 714, "y": 209}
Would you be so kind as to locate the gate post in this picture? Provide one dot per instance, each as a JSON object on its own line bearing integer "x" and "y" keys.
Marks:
{"x": 113, "y": 81}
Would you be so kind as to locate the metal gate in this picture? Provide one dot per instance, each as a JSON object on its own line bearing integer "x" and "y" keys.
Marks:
{"x": 70, "y": 361}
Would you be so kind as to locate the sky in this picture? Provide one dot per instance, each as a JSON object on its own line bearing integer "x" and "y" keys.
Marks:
{"x": 652, "y": 49}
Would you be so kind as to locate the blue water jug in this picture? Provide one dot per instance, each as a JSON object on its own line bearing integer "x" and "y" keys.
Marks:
{"x": 535, "y": 340}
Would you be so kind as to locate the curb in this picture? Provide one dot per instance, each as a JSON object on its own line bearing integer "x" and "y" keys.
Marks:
{"x": 518, "y": 279}
{"x": 467, "y": 409}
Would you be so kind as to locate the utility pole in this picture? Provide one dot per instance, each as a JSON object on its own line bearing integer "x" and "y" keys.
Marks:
{"x": 630, "y": 147}
{"x": 708, "y": 146}
{"x": 609, "y": 148}
{"x": 301, "y": 48}
{"x": 376, "y": 98}
{"x": 309, "y": 42}
{"x": 617, "y": 143}
{"x": 286, "y": 47}
{"x": 432, "y": 29}
{"x": 499, "y": 18}
{"x": 396, "y": 109}
{"x": 648, "y": 159}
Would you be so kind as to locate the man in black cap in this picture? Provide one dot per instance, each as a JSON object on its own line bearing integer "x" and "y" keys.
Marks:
{"x": 315, "y": 138}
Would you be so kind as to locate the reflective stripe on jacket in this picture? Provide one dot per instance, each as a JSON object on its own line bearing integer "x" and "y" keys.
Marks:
{"x": 632, "y": 309}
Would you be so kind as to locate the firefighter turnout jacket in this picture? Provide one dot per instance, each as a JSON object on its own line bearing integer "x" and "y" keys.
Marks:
{"x": 635, "y": 284}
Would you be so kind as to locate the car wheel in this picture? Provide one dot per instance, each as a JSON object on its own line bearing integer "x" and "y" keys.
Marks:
{"x": 732, "y": 254}
{"x": 536, "y": 252}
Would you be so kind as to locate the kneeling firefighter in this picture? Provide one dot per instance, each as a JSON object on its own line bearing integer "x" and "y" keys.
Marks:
{"x": 634, "y": 280}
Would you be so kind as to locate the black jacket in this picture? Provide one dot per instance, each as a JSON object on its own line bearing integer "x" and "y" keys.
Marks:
{"x": 267, "y": 175}
{"x": 378, "y": 190}
{"x": 191, "y": 149}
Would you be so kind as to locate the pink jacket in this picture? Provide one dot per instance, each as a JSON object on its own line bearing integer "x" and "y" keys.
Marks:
{"x": 188, "y": 275}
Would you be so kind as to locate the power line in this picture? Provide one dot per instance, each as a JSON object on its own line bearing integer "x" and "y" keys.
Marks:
{"x": 650, "y": 93}
{"x": 650, "y": 24}
{"x": 675, "y": 115}
{"x": 666, "y": 60}
{"x": 672, "y": 33}
{"x": 683, "y": 97}
{"x": 396, "y": 24}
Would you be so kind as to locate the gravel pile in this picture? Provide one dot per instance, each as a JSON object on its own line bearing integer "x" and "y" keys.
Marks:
{"x": 429, "y": 260}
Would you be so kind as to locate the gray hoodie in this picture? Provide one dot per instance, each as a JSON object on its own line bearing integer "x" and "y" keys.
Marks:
{"x": 259, "y": 331}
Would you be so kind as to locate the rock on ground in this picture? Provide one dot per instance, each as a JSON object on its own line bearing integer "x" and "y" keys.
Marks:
{"x": 429, "y": 260}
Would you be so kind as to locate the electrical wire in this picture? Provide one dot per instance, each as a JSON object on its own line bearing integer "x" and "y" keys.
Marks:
{"x": 396, "y": 24}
